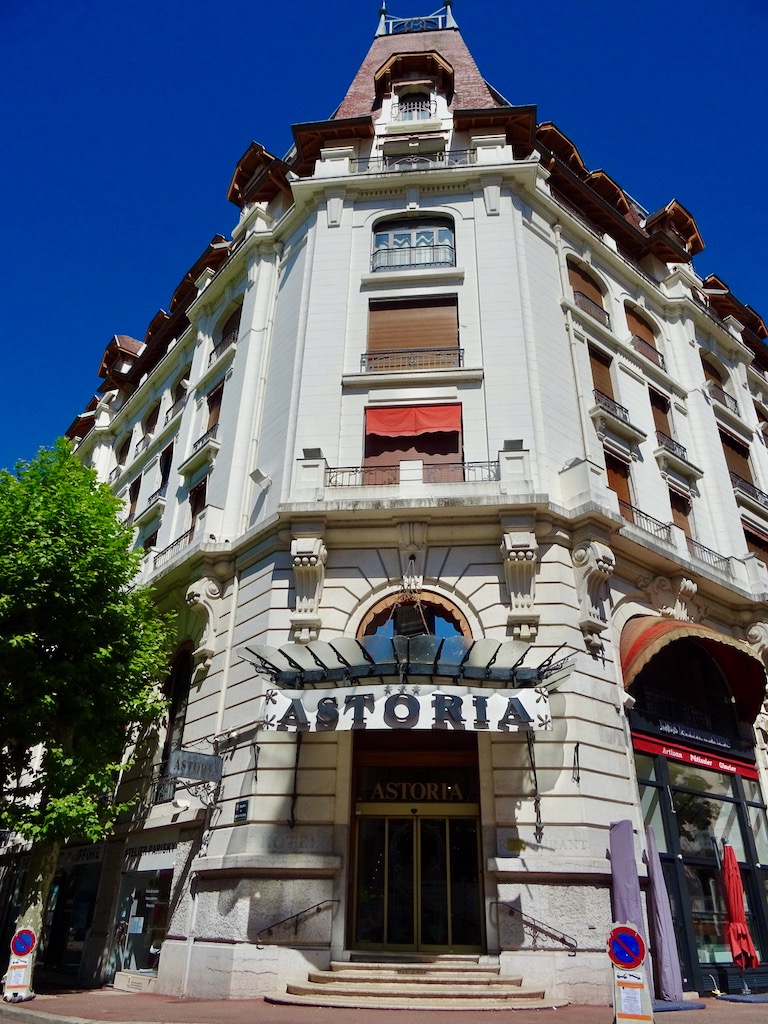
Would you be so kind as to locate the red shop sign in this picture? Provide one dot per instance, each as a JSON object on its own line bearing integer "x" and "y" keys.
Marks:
{"x": 685, "y": 755}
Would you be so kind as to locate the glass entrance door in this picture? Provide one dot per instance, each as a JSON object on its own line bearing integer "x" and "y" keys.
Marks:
{"x": 418, "y": 882}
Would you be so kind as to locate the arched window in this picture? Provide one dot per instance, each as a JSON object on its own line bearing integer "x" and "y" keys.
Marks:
{"x": 643, "y": 336}
{"x": 587, "y": 293}
{"x": 716, "y": 380}
{"x": 123, "y": 450}
{"x": 422, "y": 615}
{"x": 226, "y": 335}
{"x": 403, "y": 244}
{"x": 179, "y": 394}
{"x": 414, "y": 106}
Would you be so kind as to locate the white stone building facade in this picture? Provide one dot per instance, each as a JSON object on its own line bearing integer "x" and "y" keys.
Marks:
{"x": 444, "y": 382}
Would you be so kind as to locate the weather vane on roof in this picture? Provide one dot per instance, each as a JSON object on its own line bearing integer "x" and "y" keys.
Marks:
{"x": 389, "y": 26}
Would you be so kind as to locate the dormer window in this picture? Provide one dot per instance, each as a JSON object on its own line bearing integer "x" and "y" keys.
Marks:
{"x": 414, "y": 105}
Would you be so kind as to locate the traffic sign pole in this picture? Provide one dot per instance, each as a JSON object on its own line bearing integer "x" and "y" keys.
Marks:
{"x": 631, "y": 994}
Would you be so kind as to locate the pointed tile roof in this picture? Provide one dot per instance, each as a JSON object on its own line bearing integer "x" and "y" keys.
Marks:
{"x": 470, "y": 91}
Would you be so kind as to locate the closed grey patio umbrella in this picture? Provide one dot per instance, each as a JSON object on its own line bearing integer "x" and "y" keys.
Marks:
{"x": 667, "y": 974}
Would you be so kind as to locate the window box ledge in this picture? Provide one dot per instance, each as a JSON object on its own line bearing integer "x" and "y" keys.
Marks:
{"x": 449, "y": 375}
{"x": 672, "y": 459}
{"x": 610, "y": 418}
{"x": 412, "y": 275}
{"x": 154, "y": 508}
{"x": 748, "y": 496}
{"x": 204, "y": 452}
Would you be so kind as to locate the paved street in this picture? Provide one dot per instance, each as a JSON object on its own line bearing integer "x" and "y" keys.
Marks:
{"x": 107, "y": 1005}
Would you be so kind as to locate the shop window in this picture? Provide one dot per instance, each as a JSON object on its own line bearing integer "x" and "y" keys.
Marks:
{"x": 736, "y": 458}
{"x": 426, "y": 436}
{"x": 428, "y": 615}
{"x": 587, "y": 293}
{"x": 403, "y": 244}
{"x": 413, "y": 334}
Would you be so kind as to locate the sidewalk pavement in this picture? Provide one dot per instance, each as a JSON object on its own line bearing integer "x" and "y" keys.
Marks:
{"x": 139, "y": 1008}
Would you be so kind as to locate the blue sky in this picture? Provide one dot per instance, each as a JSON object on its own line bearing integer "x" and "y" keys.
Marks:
{"x": 123, "y": 121}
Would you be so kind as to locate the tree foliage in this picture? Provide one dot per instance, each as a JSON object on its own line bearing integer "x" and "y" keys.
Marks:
{"x": 81, "y": 648}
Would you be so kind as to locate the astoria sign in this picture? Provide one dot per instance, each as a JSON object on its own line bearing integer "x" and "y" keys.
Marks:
{"x": 407, "y": 707}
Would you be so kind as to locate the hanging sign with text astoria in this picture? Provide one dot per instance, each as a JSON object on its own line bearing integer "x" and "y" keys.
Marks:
{"x": 407, "y": 707}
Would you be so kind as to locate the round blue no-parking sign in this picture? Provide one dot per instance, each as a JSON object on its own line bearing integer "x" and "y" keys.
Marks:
{"x": 23, "y": 942}
{"x": 626, "y": 947}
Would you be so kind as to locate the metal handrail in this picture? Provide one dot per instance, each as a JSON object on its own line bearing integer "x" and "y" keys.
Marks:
{"x": 142, "y": 444}
{"x": 462, "y": 472}
{"x": 295, "y": 919}
{"x": 115, "y": 473}
{"x": 590, "y": 306}
{"x": 209, "y": 435}
{"x": 409, "y": 256}
{"x": 167, "y": 553}
{"x": 406, "y": 109}
{"x": 649, "y": 351}
{"x": 713, "y": 558}
{"x": 397, "y": 359}
{"x": 722, "y": 396}
{"x": 412, "y": 162}
{"x": 223, "y": 345}
{"x": 538, "y": 927}
{"x": 159, "y": 493}
{"x": 177, "y": 406}
{"x": 645, "y": 522}
{"x": 669, "y": 443}
{"x": 612, "y": 406}
{"x": 740, "y": 484}
{"x": 432, "y": 473}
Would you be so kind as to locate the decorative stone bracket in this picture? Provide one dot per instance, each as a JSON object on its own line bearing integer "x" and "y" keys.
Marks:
{"x": 757, "y": 637}
{"x": 593, "y": 564}
{"x": 674, "y": 598}
{"x": 519, "y": 556}
{"x": 203, "y": 597}
{"x": 308, "y": 554}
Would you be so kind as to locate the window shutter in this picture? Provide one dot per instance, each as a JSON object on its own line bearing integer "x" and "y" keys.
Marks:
{"x": 582, "y": 282}
{"x": 423, "y": 323}
{"x": 151, "y": 421}
{"x": 660, "y": 409}
{"x": 711, "y": 373}
{"x": 618, "y": 478}
{"x": 756, "y": 543}
{"x": 681, "y": 510}
{"x": 165, "y": 465}
{"x": 232, "y": 324}
{"x": 214, "y": 406}
{"x": 640, "y": 328}
{"x": 601, "y": 372}
{"x": 736, "y": 457}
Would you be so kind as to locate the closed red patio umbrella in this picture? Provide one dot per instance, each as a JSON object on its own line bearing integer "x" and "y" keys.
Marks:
{"x": 736, "y": 930}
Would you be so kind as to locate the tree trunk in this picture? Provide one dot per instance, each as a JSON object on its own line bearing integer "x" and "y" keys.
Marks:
{"x": 43, "y": 862}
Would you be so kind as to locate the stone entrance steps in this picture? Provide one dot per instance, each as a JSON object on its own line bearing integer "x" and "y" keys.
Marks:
{"x": 413, "y": 983}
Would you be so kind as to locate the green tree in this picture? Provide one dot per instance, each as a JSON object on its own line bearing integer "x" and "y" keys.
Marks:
{"x": 81, "y": 650}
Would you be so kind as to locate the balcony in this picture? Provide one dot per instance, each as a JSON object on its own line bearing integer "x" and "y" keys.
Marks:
{"x": 431, "y": 473}
{"x": 413, "y": 257}
{"x": 164, "y": 556}
{"x": 612, "y": 419}
{"x": 223, "y": 345}
{"x": 596, "y": 312}
{"x": 142, "y": 445}
{"x": 394, "y": 162}
{"x": 403, "y": 360}
{"x": 203, "y": 450}
{"x": 414, "y": 110}
{"x": 712, "y": 558}
{"x": 716, "y": 392}
{"x": 154, "y": 506}
{"x": 747, "y": 494}
{"x": 115, "y": 474}
{"x": 175, "y": 409}
{"x": 673, "y": 457}
{"x": 649, "y": 351}
{"x": 661, "y": 531}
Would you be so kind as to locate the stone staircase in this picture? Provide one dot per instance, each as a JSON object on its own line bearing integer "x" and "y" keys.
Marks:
{"x": 414, "y": 983}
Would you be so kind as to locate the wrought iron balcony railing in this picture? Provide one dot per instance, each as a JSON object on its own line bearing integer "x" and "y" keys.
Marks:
{"x": 411, "y": 359}
{"x": 143, "y": 444}
{"x": 414, "y": 256}
{"x": 432, "y": 473}
{"x": 412, "y": 162}
{"x": 209, "y": 435}
{"x": 222, "y": 346}
{"x": 159, "y": 493}
{"x": 417, "y": 109}
{"x": 740, "y": 484}
{"x": 589, "y": 306}
{"x": 649, "y": 351}
{"x": 167, "y": 553}
{"x": 708, "y": 556}
{"x": 115, "y": 473}
{"x": 175, "y": 409}
{"x": 662, "y": 531}
{"x": 611, "y": 406}
{"x": 722, "y": 397}
{"x": 672, "y": 446}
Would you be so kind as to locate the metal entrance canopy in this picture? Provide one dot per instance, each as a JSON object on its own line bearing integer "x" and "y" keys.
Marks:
{"x": 343, "y": 660}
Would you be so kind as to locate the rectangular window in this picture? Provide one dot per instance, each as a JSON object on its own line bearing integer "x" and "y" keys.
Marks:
{"x": 197, "y": 501}
{"x": 427, "y": 433}
{"x": 165, "y": 465}
{"x": 681, "y": 511}
{"x": 736, "y": 456}
{"x": 214, "y": 406}
{"x": 618, "y": 482}
{"x": 756, "y": 543}
{"x": 660, "y": 409}
{"x": 601, "y": 372}
{"x": 415, "y": 324}
{"x": 133, "y": 497}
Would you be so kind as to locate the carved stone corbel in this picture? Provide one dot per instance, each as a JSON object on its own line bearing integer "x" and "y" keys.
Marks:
{"x": 674, "y": 598}
{"x": 412, "y": 542}
{"x": 593, "y": 564}
{"x": 757, "y": 638}
{"x": 519, "y": 556}
{"x": 203, "y": 597}
{"x": 308, "y": 554}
